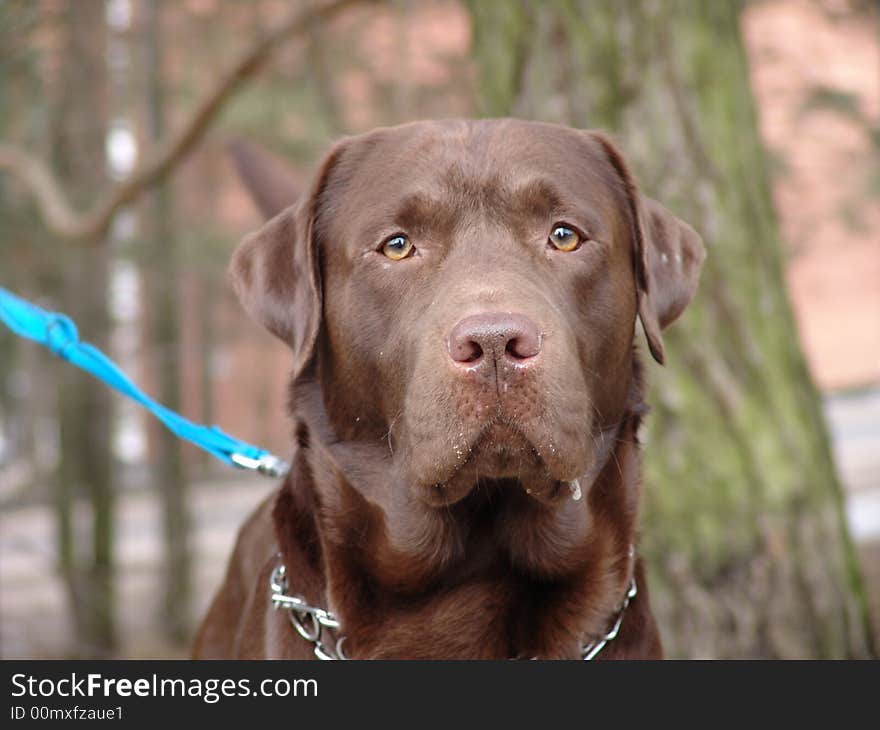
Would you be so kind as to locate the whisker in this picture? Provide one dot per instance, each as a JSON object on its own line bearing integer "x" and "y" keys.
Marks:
{"x": 390, "y": 429}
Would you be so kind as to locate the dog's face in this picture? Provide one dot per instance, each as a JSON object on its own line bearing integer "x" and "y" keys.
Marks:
{"x": 467, "y": 292}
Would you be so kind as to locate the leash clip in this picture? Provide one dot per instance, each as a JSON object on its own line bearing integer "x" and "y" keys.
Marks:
{"x": 268, "y": 464}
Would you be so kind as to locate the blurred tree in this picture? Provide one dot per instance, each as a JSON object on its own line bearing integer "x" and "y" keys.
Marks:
{"x": 76, "y": 205}
{"x": 744, "y": 526}
{"x": 162, "y": 276}
{"x": 19, "y": 80}
{"x": 85, "y": 546}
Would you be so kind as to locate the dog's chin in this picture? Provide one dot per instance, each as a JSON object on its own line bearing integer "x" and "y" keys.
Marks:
{"x": 501, "y": 454}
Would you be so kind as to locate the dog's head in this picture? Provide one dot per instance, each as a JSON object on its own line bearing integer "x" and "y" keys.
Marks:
{"x": 466, "y": 293}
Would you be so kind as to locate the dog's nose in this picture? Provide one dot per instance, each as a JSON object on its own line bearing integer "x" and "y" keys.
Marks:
{"x": 494, "y": 336}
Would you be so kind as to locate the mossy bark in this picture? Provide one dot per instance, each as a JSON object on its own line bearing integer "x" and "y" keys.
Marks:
{"x": 743, "y": 518}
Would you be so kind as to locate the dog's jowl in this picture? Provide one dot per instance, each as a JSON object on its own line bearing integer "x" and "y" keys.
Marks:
{"x": 461, "y": 301}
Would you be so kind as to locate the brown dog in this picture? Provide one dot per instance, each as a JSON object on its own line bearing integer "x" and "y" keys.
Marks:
{"x": 460, "y": 298}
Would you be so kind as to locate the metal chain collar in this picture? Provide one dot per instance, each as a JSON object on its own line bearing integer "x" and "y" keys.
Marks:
{"x": 593, "y": 647}
{"x": 311, "y": 622}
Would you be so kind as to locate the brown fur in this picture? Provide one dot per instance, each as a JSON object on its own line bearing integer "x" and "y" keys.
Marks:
{"x": 428, "y": 503}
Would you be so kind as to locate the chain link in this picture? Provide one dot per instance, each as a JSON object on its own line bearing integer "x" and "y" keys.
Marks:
{"x": 314, "y": 624}
{"x": 594, "y": 647}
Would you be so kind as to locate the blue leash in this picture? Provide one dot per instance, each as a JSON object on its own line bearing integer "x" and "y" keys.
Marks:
{"x": 58, "y": 333}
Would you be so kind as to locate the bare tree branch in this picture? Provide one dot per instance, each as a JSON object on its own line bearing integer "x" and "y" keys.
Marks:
{"x": 36, "y": 177}
{"x": 64, "y": 221}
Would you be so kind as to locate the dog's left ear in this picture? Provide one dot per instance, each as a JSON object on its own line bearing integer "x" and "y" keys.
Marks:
{"x": 668, "y": 256}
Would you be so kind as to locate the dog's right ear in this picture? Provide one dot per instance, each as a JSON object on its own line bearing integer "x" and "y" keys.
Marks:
{"x": 275, "y": 272}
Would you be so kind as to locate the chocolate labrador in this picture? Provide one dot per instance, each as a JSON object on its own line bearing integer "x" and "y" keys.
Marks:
{"x": 460, "y": 298}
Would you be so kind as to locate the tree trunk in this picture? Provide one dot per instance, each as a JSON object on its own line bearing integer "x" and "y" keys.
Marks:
{"x": 162, "y": 279}
{"x": 743, "y": 524}
{"x": 209, "y": 299}
{"x": 85, "y": 546}
{"x": 22, "y": 403}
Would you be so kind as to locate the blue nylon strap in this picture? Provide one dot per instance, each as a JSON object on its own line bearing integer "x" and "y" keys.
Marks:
{"x": 58, "y": 333}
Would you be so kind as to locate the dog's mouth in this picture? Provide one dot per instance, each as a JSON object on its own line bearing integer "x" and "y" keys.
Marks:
{"x": 501, "y": 453}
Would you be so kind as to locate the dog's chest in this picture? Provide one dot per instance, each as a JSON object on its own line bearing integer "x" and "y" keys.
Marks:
{"x": 482, "y": 607}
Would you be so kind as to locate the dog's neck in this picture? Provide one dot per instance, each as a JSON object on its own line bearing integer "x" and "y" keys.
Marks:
{"x": 496, "y": 575}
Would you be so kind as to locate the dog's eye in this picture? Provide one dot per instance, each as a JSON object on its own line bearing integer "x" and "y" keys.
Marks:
{"x": 565, "y": 239}
{"x": 397, "y": 248}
